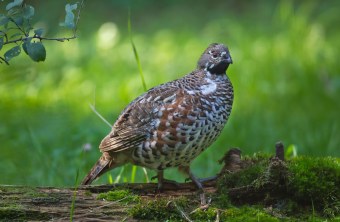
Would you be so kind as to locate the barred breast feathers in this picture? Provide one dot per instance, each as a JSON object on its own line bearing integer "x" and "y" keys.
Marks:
{"x": 136, "y": 120}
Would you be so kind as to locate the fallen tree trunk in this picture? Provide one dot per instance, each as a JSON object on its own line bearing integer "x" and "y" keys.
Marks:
{"x": 51, "y": 203}
{"x": 260, "y": 180}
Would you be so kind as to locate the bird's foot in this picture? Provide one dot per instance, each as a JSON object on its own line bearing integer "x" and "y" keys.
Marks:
{"x": 192, "y": 177}
{"x": 198, "y": 182}
{"x": 203, "y": 180}
{"x": 162, "y": 181}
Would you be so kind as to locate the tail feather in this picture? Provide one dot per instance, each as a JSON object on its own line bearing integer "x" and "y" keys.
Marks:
{"x": 102, "y": 166}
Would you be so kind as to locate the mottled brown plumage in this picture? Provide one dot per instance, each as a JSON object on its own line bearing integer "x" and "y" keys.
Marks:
{"x": 171, "y": 124}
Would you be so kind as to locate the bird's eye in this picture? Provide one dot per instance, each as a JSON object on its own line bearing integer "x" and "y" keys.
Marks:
{"x": 213, "y": 54}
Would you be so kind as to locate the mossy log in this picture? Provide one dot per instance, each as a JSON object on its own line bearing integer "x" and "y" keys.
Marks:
{"x": 270, "y": 183}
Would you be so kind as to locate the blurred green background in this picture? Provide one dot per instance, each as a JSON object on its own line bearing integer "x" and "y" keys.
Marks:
{"x": 286, "y": 75}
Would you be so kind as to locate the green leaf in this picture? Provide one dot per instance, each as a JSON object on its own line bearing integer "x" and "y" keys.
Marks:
{"x": 25, "y": 44}
{"x": 69, "y": 18}
{"x": 291, "y": 151}
{"x": 24, "y": 47}
{"x": 28, "y": 11}
{"x": 3, "y": 20}
{"x": 1, "y": 42}
{"x": 27, "y": 28}
{"x": 19, "y": 20}
{"x": 36, "y": 51}
{"x": 38, "y": 32}
{"x": 13, "y": 4}
{"x": 14, "y": 12}
{"x": 15, "y": 35}
{"x": 15, "y": 51}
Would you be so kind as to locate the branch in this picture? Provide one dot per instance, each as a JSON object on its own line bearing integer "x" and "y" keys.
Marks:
{"x": 16, "y": 24}
{"x": 40, "y": 38}
{"x": 45, "y": 38}
{"x": 23, "y": 31}
{"x": 4, "y": 60}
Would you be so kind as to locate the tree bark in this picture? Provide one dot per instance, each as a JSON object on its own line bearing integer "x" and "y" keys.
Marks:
{"x": 52, "y": 203}
{"x": 22, "y": 203}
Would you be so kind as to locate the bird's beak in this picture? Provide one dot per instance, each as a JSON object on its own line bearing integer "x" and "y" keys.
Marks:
{"x": 229, "y": 60}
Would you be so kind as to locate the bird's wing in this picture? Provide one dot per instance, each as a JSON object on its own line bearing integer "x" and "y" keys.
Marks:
{"x": 138, "y": 119}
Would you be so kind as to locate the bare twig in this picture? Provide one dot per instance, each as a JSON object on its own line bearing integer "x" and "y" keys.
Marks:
{"x": 183, "y": 214}
{"x": 217, "y": 216}
{"x": 16, "y": 24}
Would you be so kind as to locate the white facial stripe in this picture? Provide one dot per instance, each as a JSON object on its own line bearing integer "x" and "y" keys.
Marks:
{"x": 209, "y": 88}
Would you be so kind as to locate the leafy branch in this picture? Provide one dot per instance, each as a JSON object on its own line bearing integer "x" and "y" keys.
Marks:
{"x": 16, "y": 28}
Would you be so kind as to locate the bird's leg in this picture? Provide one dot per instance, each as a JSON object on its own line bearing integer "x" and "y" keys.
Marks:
{"x": 197, "y": 182}
{"x": 162, "y": 180}
{"x": 186, "y": 170}
{"x": 203, "y": 180}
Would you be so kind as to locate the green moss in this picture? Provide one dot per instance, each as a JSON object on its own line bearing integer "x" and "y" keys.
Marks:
{"x": 19, "y": 190}
{"x": 88, "y": 193}
{"x": 305, "y": 185}
{"x": 253, "y": 167}
{"x": 258, "y": 157}
{"x": 233, "y": 214}
{"x": 18, "y": 213}
{"x": 315, "y": 182}
{"x": 247, "y": 214}
{"x": 22, "y": 191}
{"x": 241, "y": 178}
{"x": 9, "y": 213}
{"x": 204, "y": 215}
{"x": 121, "y": 195}
{"x": 221, "y": 198}
{"x": 33, "y": 192}
{"x": 159, "y": 210}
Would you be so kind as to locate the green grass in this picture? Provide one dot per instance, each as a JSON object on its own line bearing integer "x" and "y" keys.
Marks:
{"x": 286, "y": 77}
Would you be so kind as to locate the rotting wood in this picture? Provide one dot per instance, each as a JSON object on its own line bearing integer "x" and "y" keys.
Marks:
{"x": 52, "y": 203}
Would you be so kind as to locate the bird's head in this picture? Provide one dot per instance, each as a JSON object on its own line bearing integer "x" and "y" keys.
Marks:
{"x": 215, "y": 59}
